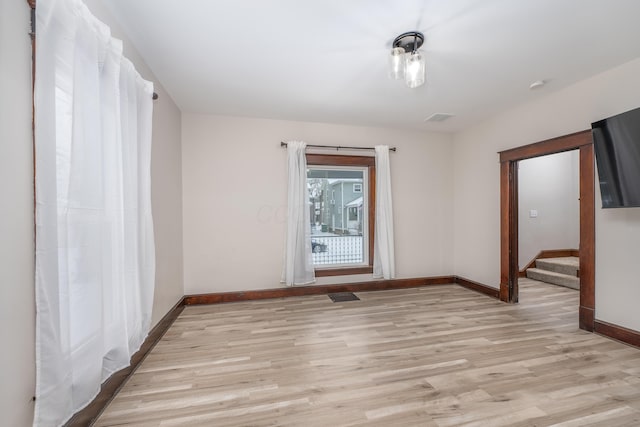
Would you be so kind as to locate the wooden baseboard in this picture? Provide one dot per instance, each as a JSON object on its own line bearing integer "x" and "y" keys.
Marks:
{"x": 619, "y": 333}
{"x": 91, "y": 412}
{"x": 295, "y": 291}
{"x": 549, "y": 253}
{"x": 376, "y": 285}
{"x": 478, "y": 287}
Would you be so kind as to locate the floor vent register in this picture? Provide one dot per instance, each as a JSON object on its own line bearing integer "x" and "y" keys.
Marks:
{"x": 343, "y": 296}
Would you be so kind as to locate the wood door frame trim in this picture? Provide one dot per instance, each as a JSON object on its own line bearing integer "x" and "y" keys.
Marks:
{"x": 509, "y": 159}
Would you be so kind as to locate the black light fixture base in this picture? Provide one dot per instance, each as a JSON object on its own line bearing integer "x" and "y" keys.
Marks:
{"x": 409, "y": 41}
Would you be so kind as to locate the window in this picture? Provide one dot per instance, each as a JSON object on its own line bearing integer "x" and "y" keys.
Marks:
{"x": 342, "y": 228}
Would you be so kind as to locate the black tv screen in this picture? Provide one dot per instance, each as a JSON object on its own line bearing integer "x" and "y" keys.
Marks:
{"x": 616, "y": 141}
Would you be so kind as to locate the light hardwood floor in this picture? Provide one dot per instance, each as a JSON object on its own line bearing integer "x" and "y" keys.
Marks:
{"x": 432, "y": 356}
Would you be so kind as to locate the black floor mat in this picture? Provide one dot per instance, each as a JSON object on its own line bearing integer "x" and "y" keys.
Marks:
{"x": 343, "y": 296}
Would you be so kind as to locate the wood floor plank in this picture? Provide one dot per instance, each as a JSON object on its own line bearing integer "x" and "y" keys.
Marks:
{"x": 441, "y": 356}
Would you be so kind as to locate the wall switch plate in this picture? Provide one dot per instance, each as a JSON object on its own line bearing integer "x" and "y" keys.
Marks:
{"x": 533, "y": 213}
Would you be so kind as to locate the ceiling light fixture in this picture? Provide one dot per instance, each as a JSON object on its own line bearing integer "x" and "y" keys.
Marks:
{"x": 406, "y": 61}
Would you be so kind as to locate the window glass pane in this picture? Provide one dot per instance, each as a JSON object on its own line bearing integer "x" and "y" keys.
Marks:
{"x": 337, "y": 198}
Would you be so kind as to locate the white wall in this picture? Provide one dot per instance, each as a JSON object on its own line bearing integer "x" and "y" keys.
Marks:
{"x": 477, "y": 187}
{"x": 166, "y": 178}
{"x": 550, "y": 185}
{"x": 234, "y": 188}
{"x": 17, "y": 298}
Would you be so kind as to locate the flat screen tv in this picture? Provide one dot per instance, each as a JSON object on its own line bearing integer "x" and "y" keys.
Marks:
{"x": 616, "y": 141}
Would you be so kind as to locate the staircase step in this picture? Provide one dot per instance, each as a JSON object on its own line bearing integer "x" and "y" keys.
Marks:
{"x": 564, "y": 265}
{"x": 553, "y": 278}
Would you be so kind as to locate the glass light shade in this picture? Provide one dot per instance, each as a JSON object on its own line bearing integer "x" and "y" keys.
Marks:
{"x": 397, "y": 63}
{"x": 415, "y": 70}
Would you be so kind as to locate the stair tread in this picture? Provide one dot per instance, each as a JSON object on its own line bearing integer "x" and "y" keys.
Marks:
{"x": 554, "y": 277}
{"x": 564, "y": 265}
{"x": 552, "y": 273}
{"x": 568, "y": 261}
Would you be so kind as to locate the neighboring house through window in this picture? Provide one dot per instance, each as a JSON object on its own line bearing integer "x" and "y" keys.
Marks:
{"x": 341, "y": 197}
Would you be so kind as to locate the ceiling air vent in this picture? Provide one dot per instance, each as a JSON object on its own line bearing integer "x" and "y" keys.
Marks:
{"x": 438, "y": 117}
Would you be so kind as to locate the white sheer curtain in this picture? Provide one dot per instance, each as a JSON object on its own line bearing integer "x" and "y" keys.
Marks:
{"x": 95, "y": 260}
{"x": 298, "y": 263}
{"x": 384, "y": 265}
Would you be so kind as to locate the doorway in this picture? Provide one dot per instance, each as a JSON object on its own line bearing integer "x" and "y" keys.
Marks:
{"x": 549, "y": 220}
{"x": 509, "y": 217}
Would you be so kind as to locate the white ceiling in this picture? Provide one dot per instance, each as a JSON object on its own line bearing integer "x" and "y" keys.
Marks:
{"x": 326, "y": 61}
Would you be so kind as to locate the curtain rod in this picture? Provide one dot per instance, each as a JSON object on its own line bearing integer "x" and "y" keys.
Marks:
{"x": 338, "y": 147}
{"x": 32, "y": 5}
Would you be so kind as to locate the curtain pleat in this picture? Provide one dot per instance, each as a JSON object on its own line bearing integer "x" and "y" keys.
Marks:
{"x": 298, "y": 262}
{"x": 383, "y": 251}
{"x": 95, "y": 259}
